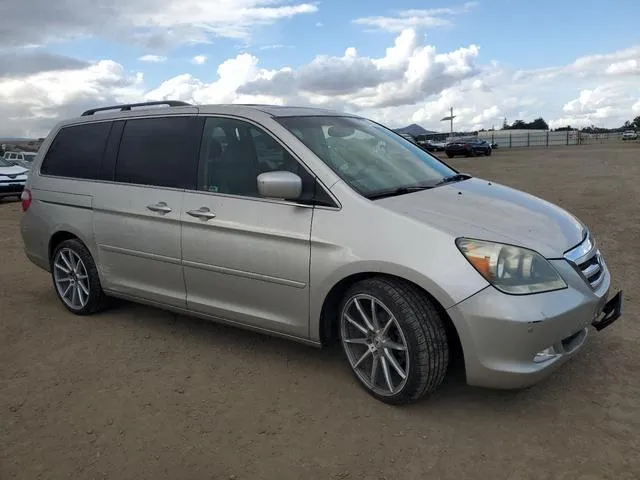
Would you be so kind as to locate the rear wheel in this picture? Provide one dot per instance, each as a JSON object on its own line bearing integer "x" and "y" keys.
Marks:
{"x": 75, "y": 278}
{"x": 394, "y": 339}
{"x": 450, "y": 155}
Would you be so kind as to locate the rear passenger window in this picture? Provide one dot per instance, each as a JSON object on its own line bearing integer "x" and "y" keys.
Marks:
{"x": 158, "y": 152}
{"x": 76, "y": 151}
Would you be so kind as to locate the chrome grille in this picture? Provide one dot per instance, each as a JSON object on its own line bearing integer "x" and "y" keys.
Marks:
{"x": 587, "y": 260}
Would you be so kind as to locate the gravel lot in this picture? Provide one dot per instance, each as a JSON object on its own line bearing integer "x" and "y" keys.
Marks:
{"x": 138, "y": 393}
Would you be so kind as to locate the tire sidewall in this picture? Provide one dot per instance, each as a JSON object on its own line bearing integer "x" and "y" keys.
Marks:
{"x": 413, "y": 379}
{"x": 94, "y": 282}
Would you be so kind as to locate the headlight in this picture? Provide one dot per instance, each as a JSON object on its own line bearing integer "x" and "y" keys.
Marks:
{"x": 510, "y": 269}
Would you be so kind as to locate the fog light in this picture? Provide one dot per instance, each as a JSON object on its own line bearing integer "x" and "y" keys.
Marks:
{"x": 545, "y": 355}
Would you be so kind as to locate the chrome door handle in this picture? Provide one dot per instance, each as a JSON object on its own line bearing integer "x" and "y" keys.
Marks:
{"x": 160, "y": 207}
{"x": 202, "y": 213}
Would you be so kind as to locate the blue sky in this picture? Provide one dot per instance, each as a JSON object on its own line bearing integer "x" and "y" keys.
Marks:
{"x": 517, "y": 33}
{"x": 489, "y": 43}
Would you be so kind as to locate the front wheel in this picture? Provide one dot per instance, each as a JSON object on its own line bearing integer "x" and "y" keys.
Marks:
{"x": 394, "y": 339}
{"x": 450, "y": 155}
{"x": 75, "y": 278}
{"x": 488, "y": 152}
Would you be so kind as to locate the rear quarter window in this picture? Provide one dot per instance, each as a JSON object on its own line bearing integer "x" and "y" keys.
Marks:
{"x": 77, "y": 151}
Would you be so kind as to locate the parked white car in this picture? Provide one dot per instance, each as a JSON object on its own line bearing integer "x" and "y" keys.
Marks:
{"x": 12, "y": 179}
{"x": 630, "y": 135}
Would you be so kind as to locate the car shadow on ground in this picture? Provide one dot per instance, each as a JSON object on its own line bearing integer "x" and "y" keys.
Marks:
{"x": 306, "y": 361}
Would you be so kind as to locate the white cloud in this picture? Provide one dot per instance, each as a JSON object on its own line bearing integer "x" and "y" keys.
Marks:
{"x": 232, "y": 74}
{"x": 619, "y": 63}
{"x": 275, "y": 46}
{"x": 155, "y": 23}
{"x": 32, "y": 104}
{"x": 594, "y": 106}
{"x": 319, "y": 24}
{"x": 410, "y": 82}
{"x": 152, "y": 59}
{"x": 199, "y": 60}
{"x": 626, "y": 67}
{"x": 406, "y": 74}
{"x": 416, "y": 18}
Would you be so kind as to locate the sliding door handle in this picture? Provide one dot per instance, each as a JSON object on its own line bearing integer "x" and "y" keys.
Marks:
{"x": 160, "y": 207}
{"x": 203, "y": 213}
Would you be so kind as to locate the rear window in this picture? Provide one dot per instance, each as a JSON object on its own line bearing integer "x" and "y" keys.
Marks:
{"x": 77, "y": 151}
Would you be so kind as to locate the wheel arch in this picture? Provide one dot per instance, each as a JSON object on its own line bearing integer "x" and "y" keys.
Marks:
{"x": 56, "y": 239}
{"x": 66, "y": 232}
{"x": 329, "y": 325}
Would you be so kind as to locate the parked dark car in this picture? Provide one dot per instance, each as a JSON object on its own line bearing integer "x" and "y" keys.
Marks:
{"x": 468, "y": 148}
{"x": 428, "y": 145}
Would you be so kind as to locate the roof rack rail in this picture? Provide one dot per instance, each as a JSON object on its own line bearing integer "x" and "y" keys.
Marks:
{"x": 127, "y": 106}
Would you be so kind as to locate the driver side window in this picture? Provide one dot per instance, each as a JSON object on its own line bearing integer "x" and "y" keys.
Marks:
{"x": 233, "y": 153}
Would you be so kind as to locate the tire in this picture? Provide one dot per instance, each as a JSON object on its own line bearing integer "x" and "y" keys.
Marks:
{"x": 450, "y": 155}
{"x": 411, "y": 320}
{"x": 488, "y": 154}
{"x": 75, "y": 249}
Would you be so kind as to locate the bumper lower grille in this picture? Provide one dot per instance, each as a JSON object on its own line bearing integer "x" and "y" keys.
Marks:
{"x": 587, "y": 260}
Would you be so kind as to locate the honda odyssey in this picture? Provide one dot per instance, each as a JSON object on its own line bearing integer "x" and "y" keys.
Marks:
{"x": 316, "y": 226}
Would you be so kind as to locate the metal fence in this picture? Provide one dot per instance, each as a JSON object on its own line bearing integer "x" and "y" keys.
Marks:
{"x": 536, "y": 138}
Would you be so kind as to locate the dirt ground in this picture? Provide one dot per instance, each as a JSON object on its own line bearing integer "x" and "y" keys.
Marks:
{"x": 138, "y": 393}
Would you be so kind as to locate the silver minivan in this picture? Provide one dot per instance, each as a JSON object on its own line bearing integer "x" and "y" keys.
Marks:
{"x": 317, "y": 226}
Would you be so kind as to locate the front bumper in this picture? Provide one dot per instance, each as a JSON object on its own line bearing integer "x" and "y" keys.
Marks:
{"x": 502, "y": 334}
{"x": 11, "y": 188}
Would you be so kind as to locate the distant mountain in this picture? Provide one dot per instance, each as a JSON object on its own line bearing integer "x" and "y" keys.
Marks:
{"x": 13, "y": 139}
{"x": 414, "y": 130}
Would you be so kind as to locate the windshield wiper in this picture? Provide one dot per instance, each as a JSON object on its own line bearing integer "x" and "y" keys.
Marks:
{"x": 458, "y": 177}
{"x": 397, "y": 191}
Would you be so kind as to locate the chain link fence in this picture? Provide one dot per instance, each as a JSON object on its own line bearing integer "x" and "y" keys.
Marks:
{"x": 537, "y": 138}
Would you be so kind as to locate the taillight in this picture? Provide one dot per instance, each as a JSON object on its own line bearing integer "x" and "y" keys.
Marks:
{"x": 25, "y": 198}
{"x": 467, "y": 145}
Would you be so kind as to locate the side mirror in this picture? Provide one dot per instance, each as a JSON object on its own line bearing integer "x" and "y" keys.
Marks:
{"x": 280, "y": 184}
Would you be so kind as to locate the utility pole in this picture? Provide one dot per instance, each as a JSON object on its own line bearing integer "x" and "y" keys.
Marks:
{"x": 450, "y": 118}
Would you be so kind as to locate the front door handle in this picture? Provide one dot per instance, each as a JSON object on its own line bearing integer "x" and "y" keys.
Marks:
{"x": 202, "y": 213}
{"x": 160, "y": 207}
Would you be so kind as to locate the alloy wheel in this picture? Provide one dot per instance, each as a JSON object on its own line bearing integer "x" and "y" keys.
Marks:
{"x": 375, "y": 344}
{"x": 71, "y": 279}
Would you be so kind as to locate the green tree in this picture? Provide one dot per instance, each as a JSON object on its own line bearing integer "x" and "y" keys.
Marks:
{"x": 636, "y": 122}
{"x": 539, "y": 124}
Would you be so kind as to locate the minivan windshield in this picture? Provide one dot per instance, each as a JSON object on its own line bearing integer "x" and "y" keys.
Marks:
{"x": 373, "y": 160}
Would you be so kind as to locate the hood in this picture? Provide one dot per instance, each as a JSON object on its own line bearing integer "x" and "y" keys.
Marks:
{"x": 13, "y": 170}
{"x": 485, "y": 210}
